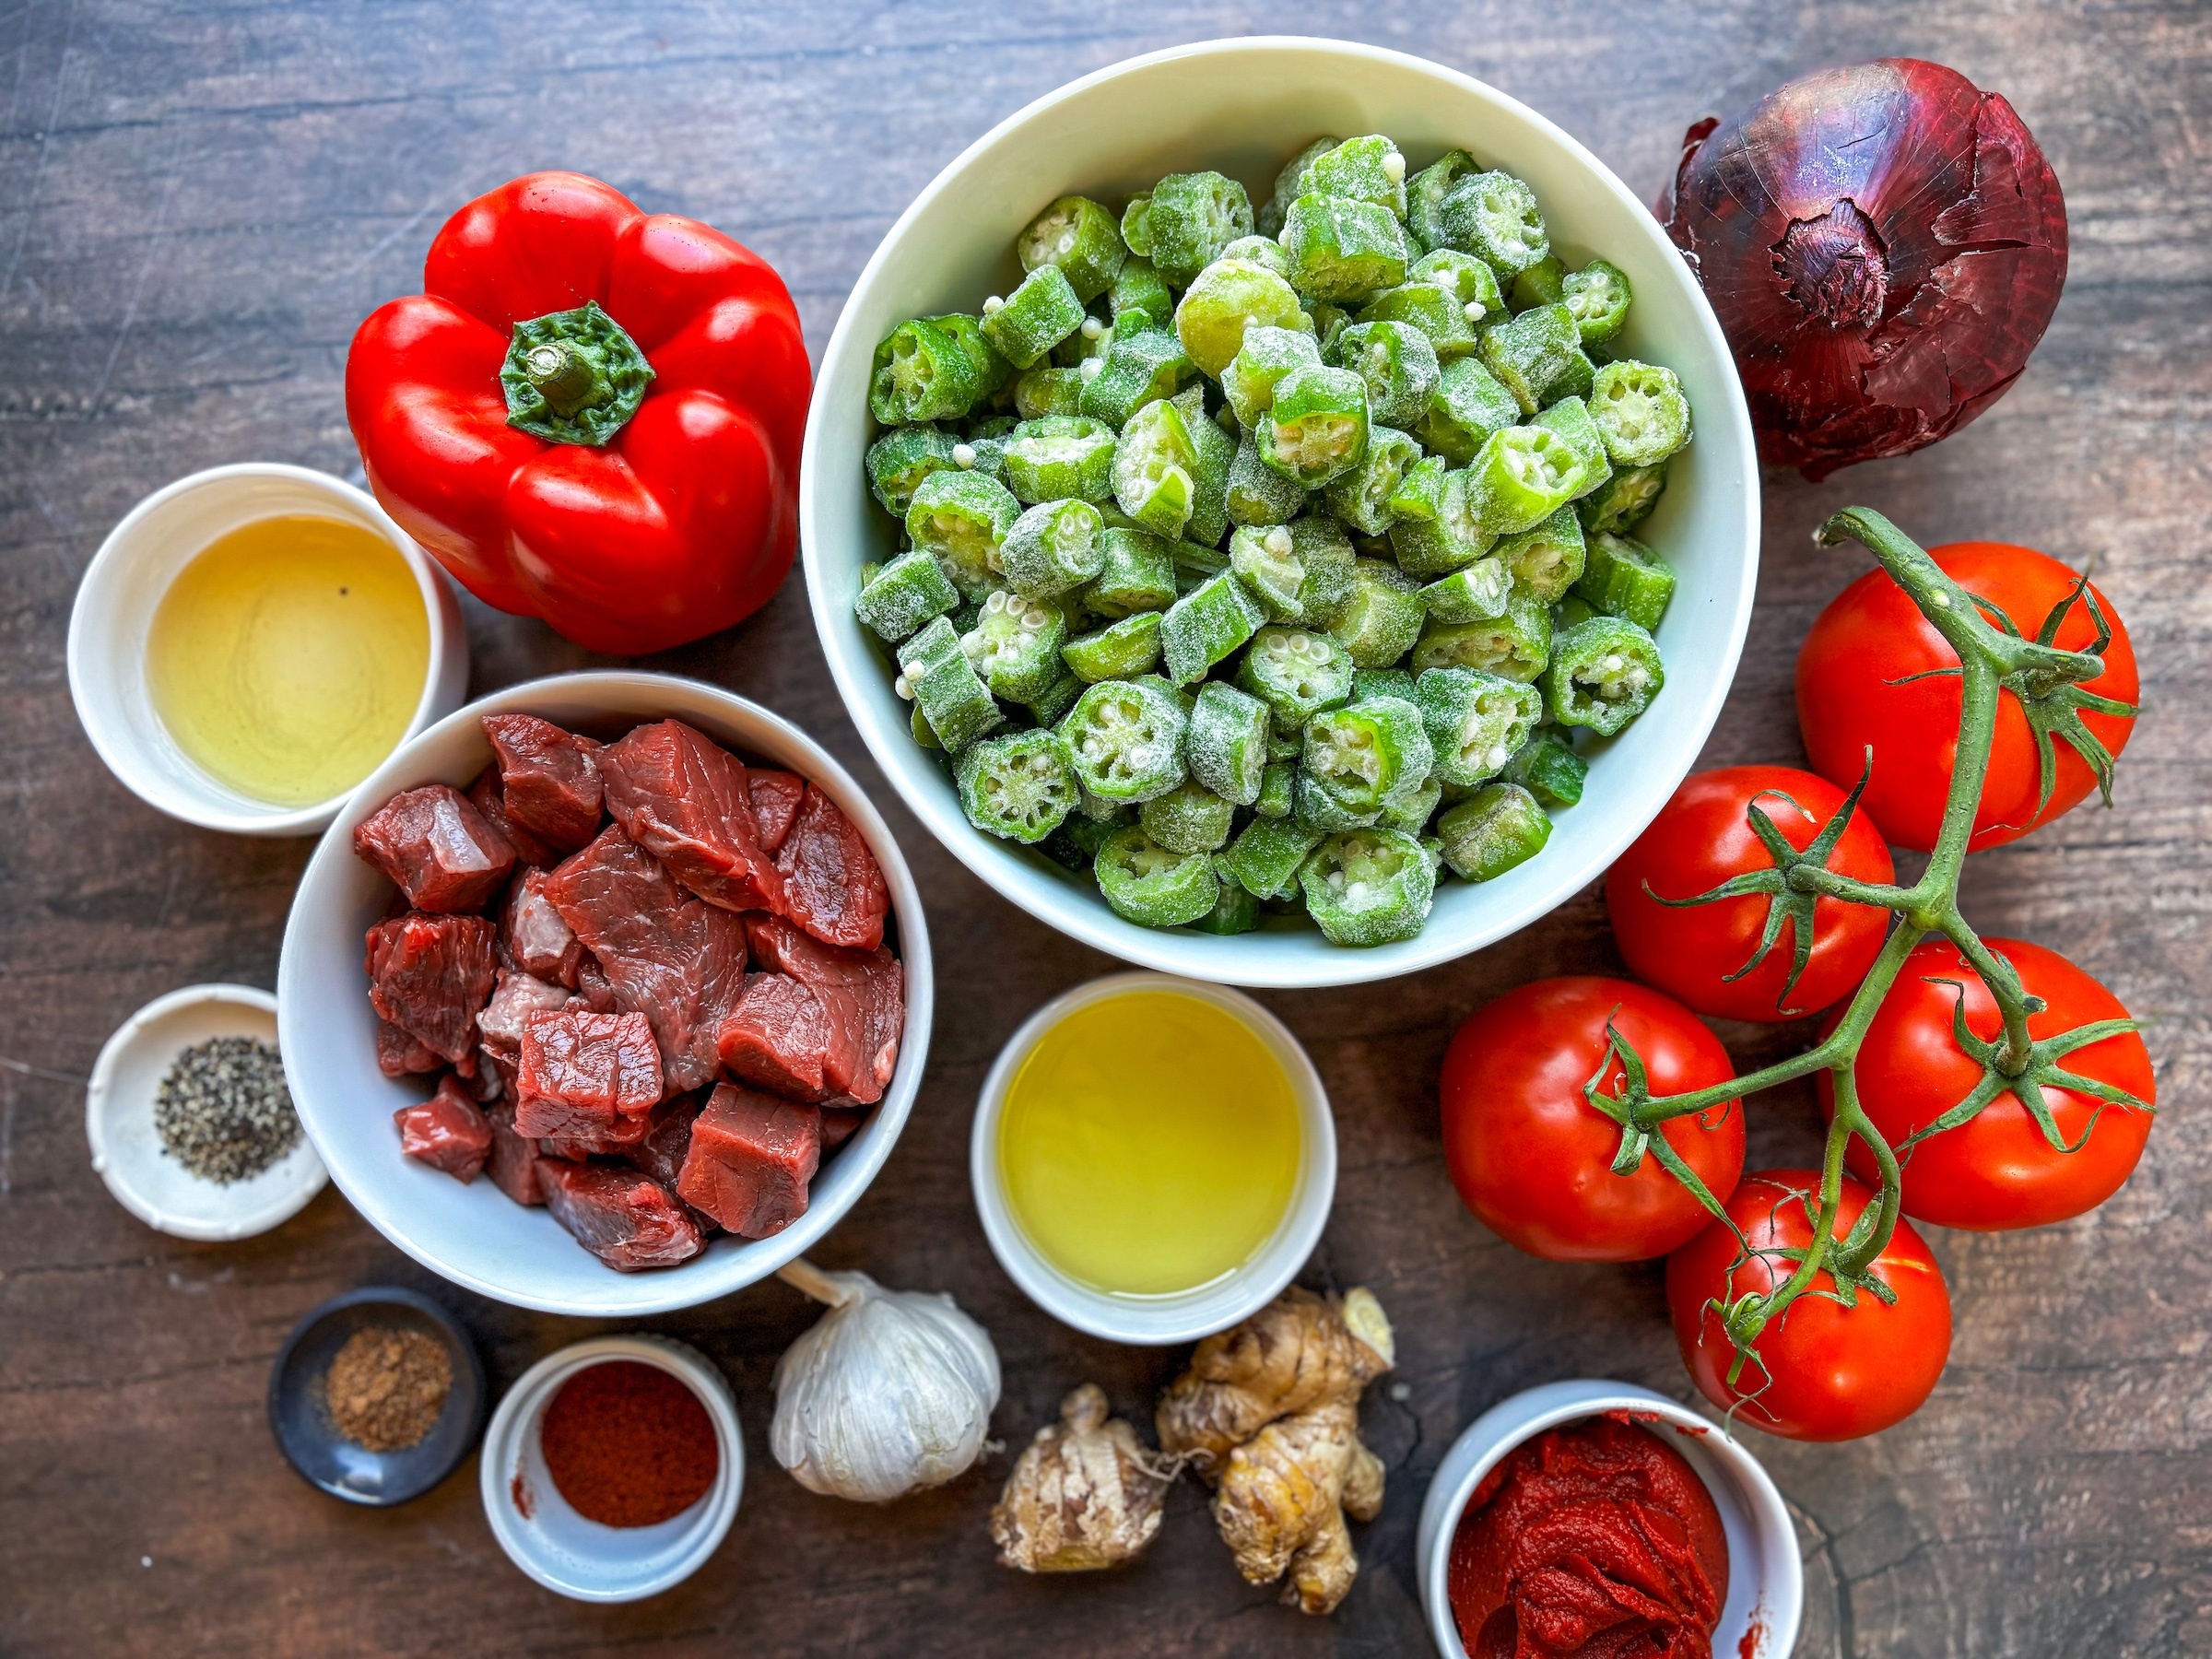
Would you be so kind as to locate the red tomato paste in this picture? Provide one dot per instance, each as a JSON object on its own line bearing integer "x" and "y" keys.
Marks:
{"x": 1593, "y": 1541}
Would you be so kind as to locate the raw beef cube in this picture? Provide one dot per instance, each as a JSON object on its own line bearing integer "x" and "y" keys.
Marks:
{"x": 537, "y": 940}
{"x": 514, "y": 1157}
{"x": 777, "y": 1038}
{"x": 596, "y": 990}
{"x": 660, "y": 1153}
{"x": 429, "y": 975}
{"x": 775, "y": 796}
{"x": 861, "y": 991}
{"x": 750, "y": 1160}
{"x": 550, "y": 779}
{"x": 446, "y": 1131}
{"x": 669, "y": 955}
{"x": 581, "y": 1071}
{"x": 840, "y": 1124}
{"x": 516, "y": 998}
{"x": 684, "y": 800}
{"x": 832, "y": 885}
{"x": 400, "y": 1053}
{"x": 613, "y": 1140}
{"x": 487, "y": 796}
{"x": 626, "y": 1220}
{"x": 436, "y": 845}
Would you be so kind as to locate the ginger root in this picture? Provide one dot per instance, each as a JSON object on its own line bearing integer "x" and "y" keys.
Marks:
{"x": 1085, "y": 1493}
{"x": 1269, "y": 1413}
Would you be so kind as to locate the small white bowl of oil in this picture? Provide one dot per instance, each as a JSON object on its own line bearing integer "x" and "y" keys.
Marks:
{"x": 250, "y": 642}
{"x": 1153, "y": 1158}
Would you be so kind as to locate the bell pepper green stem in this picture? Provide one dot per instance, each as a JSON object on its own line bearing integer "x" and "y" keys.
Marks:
{"x": 573, "y": 376}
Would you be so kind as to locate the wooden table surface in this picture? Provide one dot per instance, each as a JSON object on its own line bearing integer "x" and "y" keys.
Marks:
{"x": 199, "y": 202}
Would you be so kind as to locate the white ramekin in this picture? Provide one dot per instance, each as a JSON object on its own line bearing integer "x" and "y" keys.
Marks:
{"x": 1156, "y": 1320}
{"x": 124, "y": 585}
{"x": 1766, "y": 1584}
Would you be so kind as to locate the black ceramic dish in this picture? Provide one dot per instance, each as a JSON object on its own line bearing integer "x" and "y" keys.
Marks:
{"x": 311, "y": 1443}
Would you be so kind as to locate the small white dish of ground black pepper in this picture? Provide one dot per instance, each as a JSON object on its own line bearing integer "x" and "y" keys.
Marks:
{"x": 190, "y": 1119}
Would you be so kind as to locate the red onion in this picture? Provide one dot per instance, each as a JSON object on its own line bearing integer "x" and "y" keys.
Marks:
{"x": 1884, "y": 245}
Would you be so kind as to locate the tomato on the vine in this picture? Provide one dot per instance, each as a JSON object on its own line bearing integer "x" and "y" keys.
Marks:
{"x": 1533, "y": 1158}
{"x": 1700, "y": 839}
{"x": 1820, "y": 1371}
{"x": 1996, "y": 1170}
{"x": 1855, "y": 688}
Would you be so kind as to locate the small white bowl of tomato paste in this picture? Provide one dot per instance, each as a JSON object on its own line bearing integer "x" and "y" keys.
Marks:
{"x": 1581, "y": 1508}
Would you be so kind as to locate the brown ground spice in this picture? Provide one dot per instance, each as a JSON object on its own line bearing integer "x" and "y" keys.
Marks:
{"x": 387, "y": 1387}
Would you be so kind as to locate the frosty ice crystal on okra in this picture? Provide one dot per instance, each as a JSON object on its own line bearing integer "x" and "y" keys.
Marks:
{"x": 1261, "y": 563}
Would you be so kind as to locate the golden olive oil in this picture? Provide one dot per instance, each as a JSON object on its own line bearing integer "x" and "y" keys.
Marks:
{"x": 287, "y": 659}
{"x": 1149, "y": 1144}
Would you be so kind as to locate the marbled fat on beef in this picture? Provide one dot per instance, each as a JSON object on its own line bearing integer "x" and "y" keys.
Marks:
{"x": 832, "y": 885}
{"x": 549, "y": 778}
{"x": 666, "y": 955}
{"x": 487, "y": 796}
{"x": 533, "y": 935}
{"x": 429, "y": 974}
{"x": 437, "y": 847}
{"x": 863, "y": 993}
{"x": 684, "y": 799}
{"x": 778, "y": 1037}
{"x": 775, "y": 796}
{"x": 750, "y": 1160}
{"x": 447, "y": 1132}
{"x": 514, "y": 998}
{"x": 627, "y": 1221}
{"x": 581, "y": 1071}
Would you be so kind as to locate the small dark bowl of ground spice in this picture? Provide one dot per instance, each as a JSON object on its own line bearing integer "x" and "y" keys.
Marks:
{"x": 377, "y": 1396}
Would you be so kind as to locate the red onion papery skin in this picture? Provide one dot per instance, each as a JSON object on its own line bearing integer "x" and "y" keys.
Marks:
{"x": 1884, "y": 245}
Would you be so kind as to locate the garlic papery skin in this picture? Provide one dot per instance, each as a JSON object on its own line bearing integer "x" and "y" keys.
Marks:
{"x": 890, "y": 1392}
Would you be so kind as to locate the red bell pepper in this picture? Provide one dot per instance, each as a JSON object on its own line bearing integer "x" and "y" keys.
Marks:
{"x": 592, "y": 415}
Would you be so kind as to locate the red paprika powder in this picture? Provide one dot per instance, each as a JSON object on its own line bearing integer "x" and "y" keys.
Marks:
{"x": 628, "y": 1444}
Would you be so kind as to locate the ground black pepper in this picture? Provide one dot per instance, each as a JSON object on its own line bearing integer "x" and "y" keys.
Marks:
{"x": 224, "y": 1111}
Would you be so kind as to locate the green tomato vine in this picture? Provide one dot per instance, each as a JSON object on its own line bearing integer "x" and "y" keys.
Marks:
{"x": 1993, "y": 658}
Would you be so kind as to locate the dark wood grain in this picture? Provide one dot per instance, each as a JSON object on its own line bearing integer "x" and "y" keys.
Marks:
{"x": 198, "y": 201}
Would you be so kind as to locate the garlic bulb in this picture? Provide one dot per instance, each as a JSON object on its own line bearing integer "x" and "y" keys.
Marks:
{"x": 890, "y": 1392}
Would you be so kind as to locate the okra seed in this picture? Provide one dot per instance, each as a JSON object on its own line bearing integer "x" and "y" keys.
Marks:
{"x": 963, "y": 455}
{"x": 1090, "y": 368}
{"x": 1475, "y": 310}
{"x": 1612, "y": 664}
{"x": 1394, "y": 167}
{"x": 1497, "y": 756}
{"x": 903, "y": 689}
{"x": 1278, "y": 542}
{"x": 911, "y": 671}
{"x": 994, "y": 305}
{"x": 1092, "y": 328}
{"x": 1356, "y": 893}
{"x": 1067, "y": 244}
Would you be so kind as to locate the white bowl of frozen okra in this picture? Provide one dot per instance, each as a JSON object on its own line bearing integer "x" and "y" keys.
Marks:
{"x": 1348, "y": 615}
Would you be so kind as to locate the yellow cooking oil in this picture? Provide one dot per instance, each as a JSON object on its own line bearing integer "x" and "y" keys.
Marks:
{"x": 287, "y": 659}
{"x": 1149, "y": 1144}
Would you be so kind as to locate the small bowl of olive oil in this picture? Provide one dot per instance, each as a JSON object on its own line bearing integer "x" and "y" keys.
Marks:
{"x": 252, "y": 641}
{"x": 1153, "y": 1158}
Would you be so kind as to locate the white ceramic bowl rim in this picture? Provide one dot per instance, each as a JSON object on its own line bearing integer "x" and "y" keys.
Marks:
{"x": 205, "y": 802}
{"x": 727, "y": 1266}
{"x": 1157, "y": 1321}
{"x": 1514, "y": 899}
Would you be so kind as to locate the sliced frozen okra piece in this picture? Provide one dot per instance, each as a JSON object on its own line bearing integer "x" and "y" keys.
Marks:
{"x": 1549, "y": 769}
{"x": 1264, "y": 359}
{"x": 1265, "y": 857}
{"x": 1290, "y": 182}
{"x": 1597, "y": 298}
{"x": 1255, "y": 493}
{"x": 1384, "y": 618}
{"x": 1124, "y": 739}
{"x": 1367, "y": 750}
{"x": 1623, "y": 578}
{"x": 1466, "y": 278}
{"x": 1540, "y": 284}
{"x": 1624, "y": 501}
{"x": 1369, "y": 887}
{"x": 1235, "y": 911}
{"x": 1300, "y": 572}
{"x": 1640, "y": 412}
{"x": 1603, "y": 674}
{"x": 1015, "y": 645}
{"x": 1313, "y": 808}
{"x": 1514, "y": 646}
{"x": 921, "y": 373}
{"x": 1494, "y": 216}
{"x": 1140, "y": 367}
{"x": 1060, "y": 458}
{"x": 960, "y": 519}
{"x": 1057, "y": 699}
{"x": 1538, "y": 357}
{"x": 1145, "y": 883}
{"x": 1118, "y": 651}
{"x": 1367, "y": 168}
{"x": 1206, "y": 626}
{"x": 1475, "y": 721}
{"x": 1018, "y": 787}
{"x": 1189, "y": 819}
{"x": 1037, "y": 316}
{"x": 1524, "y": 474}
{"x": 1276, "y": 784}
{"x": 1425, "y": 194}
{"x": 1190, "y": 218}
{"x": 1398, "y": 365}
{"x": 1420, "y": 491}
{"x": 1429, "y": 309}
{"x": 947, "y": 692}
{"x": 1496, "y": 827}
{"x": 992, "y": 370}
{"x": 1043, "y": 391}
{"x": 1138, "y": 287}
{"x": 1454, "y": 536}
{"x": 1224, "y": 300}
{"x": 1362, "y": 497}
{"x": 1474, "y": 593}
{"x": 1226, "y": 745}
{"x": 1083, "y": 238}
{"x": 982, "y": 449}
{"x": 1383, "y": 682}
{"x": 1296, "y": 673}
{"x": 1135, "y": 573}
{"x": 1259, "y": 250}
{"x": 900, "y": 459}
{"x": 1213, "y": 452}
{"x": 1052, "y": 548}
{"x": 1467, "y": 408}
{"x": 904, "y": 595}
{"x": 1409, "y": 807}
{"x": 1153, "y": 466}
{"x": 1548, "y": 560}
{"x": 1315, "y": 429}
{"x": 1343, "y": 249}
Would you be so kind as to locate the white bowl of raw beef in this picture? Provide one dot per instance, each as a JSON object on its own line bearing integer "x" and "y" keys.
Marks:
{"x": 474, "y": 1234}
{"x": 1244, "y": 108}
